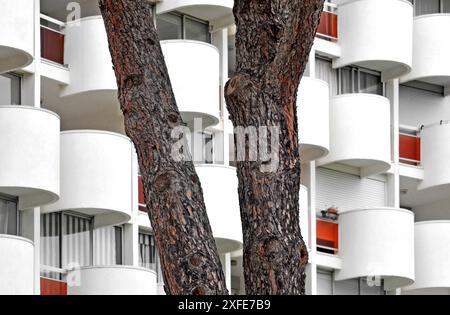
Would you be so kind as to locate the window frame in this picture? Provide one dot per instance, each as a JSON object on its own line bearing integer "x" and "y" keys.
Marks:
{"x": 183, "y": 17}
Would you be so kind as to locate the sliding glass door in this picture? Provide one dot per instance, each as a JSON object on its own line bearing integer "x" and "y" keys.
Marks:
{"x": 8, "y": 215}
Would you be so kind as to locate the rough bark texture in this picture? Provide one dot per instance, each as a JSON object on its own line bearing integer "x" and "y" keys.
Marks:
{"x": 173, "y": 193}
{"x": 273, "y": 42}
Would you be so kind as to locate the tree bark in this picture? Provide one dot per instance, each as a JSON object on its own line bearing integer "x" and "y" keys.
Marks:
{"x": 172, "y": 189}
{"x": 273, "y": 42}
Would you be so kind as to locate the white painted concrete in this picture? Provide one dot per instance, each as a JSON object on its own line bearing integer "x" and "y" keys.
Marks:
{"x": 430, "y": 57}
{"x": 432, "y": 258}
{"x": 313, "y": 110}
{"x": 435, "y": 152}
{"x": 304, "y": 215}
{"x": 220, "y": 190}
{"x": 194, "y": 71}
{"x": 86, "y": 52}
{"x": 376, "y": 34}
{"x": 96, "y": 176}
{"x": 202, "y": 9}
{"x": 16, "y": 34}
{"x": 16, "y": 266}
{"x": 29, "y": 162}
{"x": 113, "y": 280}
{"x": 377, "y": 242}
{"x": 360, "y": 133}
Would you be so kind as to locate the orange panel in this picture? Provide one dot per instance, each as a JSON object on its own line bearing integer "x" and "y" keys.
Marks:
{"x": 53, "y": 287}
{"x": 327, "y": 234}
{"x": 410, "y": 147}
{"x": 52, "y": 45}
{"x": 328, "y": 25}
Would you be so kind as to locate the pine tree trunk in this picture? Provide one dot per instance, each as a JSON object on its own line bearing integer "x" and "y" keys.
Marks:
{"x": 273, "y": 42}
{"x": 173, "y": 193}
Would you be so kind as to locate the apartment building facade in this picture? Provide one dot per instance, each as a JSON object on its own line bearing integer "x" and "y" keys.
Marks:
{"x": 374, "y": 136}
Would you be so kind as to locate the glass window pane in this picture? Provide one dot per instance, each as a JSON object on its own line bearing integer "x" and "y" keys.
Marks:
{"x": 9, "y": 89}
{"x": 231, "y": 55}
{"x": 196, "y": 30}
{"x": 346, "y": 80}
{"x": 147, "y": 251}
{"x": 8, "y": 217}
{"x": 325, "y": 72}
{"x": 76, "y": 241}
{"x": 169, "y": 26}
{"x": 426, "y": 7}
{"x": 446, "y": 6}
{"x": 370, "y": 83}
{"x": 50, "y": 246}
{"x": 108, "y": 246}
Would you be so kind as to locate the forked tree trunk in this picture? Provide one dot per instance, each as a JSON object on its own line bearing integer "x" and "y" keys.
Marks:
{"x": 173, "y": 193}
{"x": 273, "y": 42}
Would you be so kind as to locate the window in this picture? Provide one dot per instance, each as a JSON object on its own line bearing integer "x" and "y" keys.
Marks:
{"x": 147, "y": 251}
{"x": 8, "y": 215}
{"x": 10, "y": 89}
{"x": 422, "y": 7}
{"x": 208, "y": 148}
{"x": 359, "y": 80}
{"x": 325, "y": 72}
{"x": 231, "y": 54}
{"x": 180, "y": 26}
{"x": 69, "y": 238}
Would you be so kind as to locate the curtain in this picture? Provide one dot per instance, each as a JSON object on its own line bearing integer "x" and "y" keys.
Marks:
{"x": 423, "y": 7}
{"x": 108, "y": 246}
{"x": 147, "y": 251}
{"x": 76, "y": 241}
{"x": 50, "y": 247}
{"x": 325, "y": 72}
{"x": 8, "y": 217}
{"x": 446, "y": 6}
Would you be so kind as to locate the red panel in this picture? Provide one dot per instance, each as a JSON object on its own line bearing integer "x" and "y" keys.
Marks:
{"x": 142, "y": 205}
{"x": 327, "y": 234}
{"x": 328, "y": 25}
{"x": 53, "y": 287}
{"x": 410, "y": 148}
{"x": 52, "y": 45}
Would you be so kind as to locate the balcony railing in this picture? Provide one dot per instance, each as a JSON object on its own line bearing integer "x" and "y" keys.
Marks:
{"x": 410, "y": 149}
{"x": 327, "y": 236}
{"x": 53, "y": 287}
{"x": 328, "y": 27}
{"x": 52, "y": 39}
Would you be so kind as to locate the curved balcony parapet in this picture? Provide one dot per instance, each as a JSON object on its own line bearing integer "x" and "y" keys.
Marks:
{"x": 432, "y": 258}
{"x": 202, "y": 9}
{"x": 113, "y": 280}
{"x": 435, "y": 154}
{"x": 376, "y": 34}
{"x": 360, "y": 133}
{"x": 16, "y": 266}
{"x": 96, "y": 176}
{"x": 16, "y": 34}
{"x": 378, "y": 243}
{"x": 430, "y": 53}
{"x": 29, "y": 163}
{"x": 220, "y": 190}
{"x": 313, "y": 119}
{"x": 194, "y": 73}
{"x": 86, "y": 52}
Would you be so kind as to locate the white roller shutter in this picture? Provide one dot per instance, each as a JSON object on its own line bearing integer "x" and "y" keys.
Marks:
{"x": 347, "y": 191}
{"x": 324, "y": 283}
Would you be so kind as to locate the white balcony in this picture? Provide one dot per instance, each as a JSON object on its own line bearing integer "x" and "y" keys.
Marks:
{"x": 430, "y": 55}
{"x": 202, "y": 9}
{"x": 97, "y": 176}
{"x": 376, "y": 34}
{"x": 16, "y": 34}
{"x": 304, "y": 215}
{"x": 194, "y": 73}
{"x": 377, "y": 242}
{"x": 432, "y": 252}
{"x": 16, "y": 266}
{"x": 29, "y": 162}
{"x": 86, "y": 52}
{"x": 220, "y": 190}
{"x": 313, "y": 104}
{"x": 112, "y": 280}
{"x": 360, "y": 133}
{"x": 435, "y": 151}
